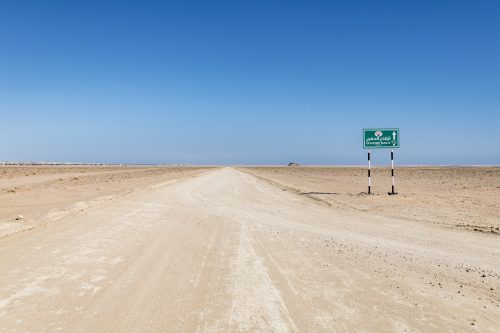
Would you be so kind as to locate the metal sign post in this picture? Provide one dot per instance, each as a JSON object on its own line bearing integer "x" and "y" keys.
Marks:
{"x": 369, "y": 175}
{"x": 374, "y": 138}
{"x": 392, "y": 173}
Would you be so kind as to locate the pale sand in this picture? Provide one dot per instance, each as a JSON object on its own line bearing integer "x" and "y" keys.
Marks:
{"x": 45, "y": 194}
{"x": 463, "y": 197}
{"x": 220, "y": 250}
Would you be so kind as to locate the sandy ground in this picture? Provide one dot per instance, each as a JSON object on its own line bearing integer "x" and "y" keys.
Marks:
{"x": 46, "y": 194}
{"x": 464, "y": 197}
{"x": 223, "y": 251}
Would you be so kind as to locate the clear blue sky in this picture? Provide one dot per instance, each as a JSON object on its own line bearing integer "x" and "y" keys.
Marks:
{"x": 263, "y": 82}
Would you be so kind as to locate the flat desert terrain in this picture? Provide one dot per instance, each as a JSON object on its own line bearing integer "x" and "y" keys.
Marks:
{"x": 121, "y": 249}
{"x": 33, "y": 196}
{"x": 463, "y": 197}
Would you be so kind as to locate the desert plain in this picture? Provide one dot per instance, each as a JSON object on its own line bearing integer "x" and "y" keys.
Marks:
{"x": 249, "y": 249}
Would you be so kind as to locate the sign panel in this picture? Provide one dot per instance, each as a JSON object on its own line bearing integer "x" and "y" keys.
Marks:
{"x": 380, "y": 138}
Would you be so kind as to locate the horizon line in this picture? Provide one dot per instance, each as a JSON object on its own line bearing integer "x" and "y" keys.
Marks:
{"x": 46, "y": 163}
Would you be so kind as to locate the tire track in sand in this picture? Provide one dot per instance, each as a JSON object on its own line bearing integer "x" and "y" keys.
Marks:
{"x": 257, "y": 304}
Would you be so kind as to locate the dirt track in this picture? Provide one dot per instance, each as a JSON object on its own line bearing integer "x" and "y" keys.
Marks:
{"x": 224, "y": 251}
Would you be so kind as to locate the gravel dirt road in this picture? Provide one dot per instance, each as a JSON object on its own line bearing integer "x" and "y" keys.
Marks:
{"x": 224, "y": 251}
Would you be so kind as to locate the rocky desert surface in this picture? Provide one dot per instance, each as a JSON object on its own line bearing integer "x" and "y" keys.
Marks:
{"x": 32, "y": 196}
{"x": 464, "y": 197}
{"x": 158, "y": 249}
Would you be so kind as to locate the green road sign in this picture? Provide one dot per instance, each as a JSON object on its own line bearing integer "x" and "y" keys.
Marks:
{"x": 380, "y": 138}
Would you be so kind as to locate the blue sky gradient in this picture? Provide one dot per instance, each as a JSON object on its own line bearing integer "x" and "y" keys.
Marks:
{"x": 258, "y": 82}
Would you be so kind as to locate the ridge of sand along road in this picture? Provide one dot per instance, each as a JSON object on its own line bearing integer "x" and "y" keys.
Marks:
{"x": 225, "y": 251}
{"x": 45, "y": 194}
{"x": 463, "y": 197}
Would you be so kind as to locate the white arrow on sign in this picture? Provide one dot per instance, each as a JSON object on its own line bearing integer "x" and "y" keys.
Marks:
{"x": 394, "y": 135}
